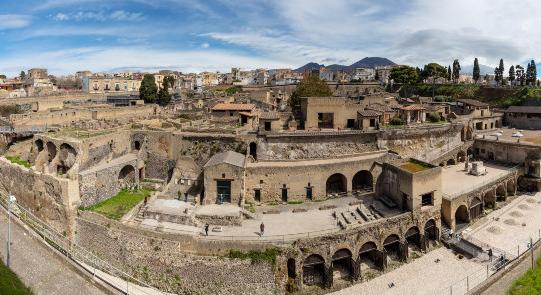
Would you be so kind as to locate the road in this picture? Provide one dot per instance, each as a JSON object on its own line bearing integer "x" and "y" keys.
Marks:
{"x": 40, "y": 268}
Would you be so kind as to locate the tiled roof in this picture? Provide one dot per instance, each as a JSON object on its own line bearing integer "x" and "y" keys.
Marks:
{"x": 248, "y": 114}
{"x": 233, "y": 107}
{"x": 380, "y": 107}
{"x": 473, "y": 102}
{"x": 369, "y": 113}
{"x": 269, "y": 116}
{"x": 229, "y": 157}
{"x": 413, "y": 107}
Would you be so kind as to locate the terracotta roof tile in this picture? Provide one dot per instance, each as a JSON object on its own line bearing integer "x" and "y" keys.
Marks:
{"x": 233, "y": 107}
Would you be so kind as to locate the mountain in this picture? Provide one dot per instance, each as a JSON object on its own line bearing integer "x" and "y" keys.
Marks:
{"x": 483, "y": 69}
{"x": 367, "y": 62}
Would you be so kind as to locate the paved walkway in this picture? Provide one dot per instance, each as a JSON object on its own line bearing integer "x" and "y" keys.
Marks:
{"x": 40, "y": 268}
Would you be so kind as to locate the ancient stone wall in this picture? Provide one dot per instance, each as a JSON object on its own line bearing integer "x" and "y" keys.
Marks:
{"x": 48, "y": 197}
{"x": 168, "y": 262}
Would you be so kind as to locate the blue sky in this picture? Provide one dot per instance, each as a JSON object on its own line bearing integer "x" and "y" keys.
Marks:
{"x": 191, "y": 35}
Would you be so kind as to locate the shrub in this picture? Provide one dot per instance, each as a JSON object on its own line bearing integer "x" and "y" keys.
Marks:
{"x": 433, "y": 117}
{"x": 397, "y": 121}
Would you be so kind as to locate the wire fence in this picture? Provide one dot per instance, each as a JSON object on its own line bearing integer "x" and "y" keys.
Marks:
{"x": 500, "y": 260}
{"x": 96, "y": 266}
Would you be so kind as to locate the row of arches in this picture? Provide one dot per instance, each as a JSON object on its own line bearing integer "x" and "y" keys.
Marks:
{"x": 337, "y": 183}
{"x": 67, "y": 155}
{"x": 344, "y": 266}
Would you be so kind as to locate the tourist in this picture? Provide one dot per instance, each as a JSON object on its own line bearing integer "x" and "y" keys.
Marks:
{"x": 262, "y": 229}
{"x": 145, "y": 202}
{"x": 207, "y": 229}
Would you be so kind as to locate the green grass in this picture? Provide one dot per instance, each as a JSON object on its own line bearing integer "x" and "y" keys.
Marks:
{"x": 10, "y": 282}
{"x": 268, "y": 256}
{"x": 19, "y": 161}
{"x": 295, "y": 202}
{"x": 529, "y": 283}
{"x": 117, "y": 206}
{"x": 413, "y": 167}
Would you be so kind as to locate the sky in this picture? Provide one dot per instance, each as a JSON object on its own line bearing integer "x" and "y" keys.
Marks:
{"x": 214, "y": 35}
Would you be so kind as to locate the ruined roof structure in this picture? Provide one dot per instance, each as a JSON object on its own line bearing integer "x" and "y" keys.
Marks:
{"x": 229, "y": 157}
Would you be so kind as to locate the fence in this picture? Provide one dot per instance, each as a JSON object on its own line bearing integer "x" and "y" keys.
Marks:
{"x": 99, "y": 268}
{"x": 502, "y": 259}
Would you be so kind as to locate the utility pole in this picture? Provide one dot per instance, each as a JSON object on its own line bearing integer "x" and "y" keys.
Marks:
{"x": 11, "y": 199}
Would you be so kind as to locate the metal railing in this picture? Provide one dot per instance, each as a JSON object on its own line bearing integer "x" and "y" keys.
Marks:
{"x": 94, "y": 265}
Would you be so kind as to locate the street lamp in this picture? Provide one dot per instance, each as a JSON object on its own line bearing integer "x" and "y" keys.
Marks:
{"x": 11, "y": 200}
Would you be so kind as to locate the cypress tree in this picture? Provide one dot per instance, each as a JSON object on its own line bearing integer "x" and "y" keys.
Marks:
{"x": 476, "y": 70}
{"x": 512, "y": 74}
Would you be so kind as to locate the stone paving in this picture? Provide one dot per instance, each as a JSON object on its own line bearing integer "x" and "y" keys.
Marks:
{"x": 455, "y": 180}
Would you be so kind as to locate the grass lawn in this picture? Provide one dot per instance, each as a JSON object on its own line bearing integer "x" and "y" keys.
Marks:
{"x": 529, "y": 283}
{"x": 414, "y": 167}
{"x": 119, "y": 205}
{"x": 18, "y": 160}
{"x": 10, "y": 282}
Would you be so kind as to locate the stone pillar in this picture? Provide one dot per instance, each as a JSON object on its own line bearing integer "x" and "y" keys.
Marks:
{"x": 381, "y": 260}
{"x": 356, "y": 267}
{"x": 403, "y": 248}
{"x": 328, "y": 276}
{"x": 424, "y": 244}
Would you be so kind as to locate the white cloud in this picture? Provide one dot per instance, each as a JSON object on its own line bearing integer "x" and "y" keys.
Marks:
{"x": 205, "y": 45}
{"x": 106, "y": 58}
{"x": 14, "y": 21}
{"x": 117, "y": 15}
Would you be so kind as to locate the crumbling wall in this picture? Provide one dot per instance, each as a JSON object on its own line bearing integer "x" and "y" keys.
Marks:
{"x": 166, "y": 264}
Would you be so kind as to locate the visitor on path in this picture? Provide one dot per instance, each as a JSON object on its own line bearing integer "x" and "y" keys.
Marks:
{"x": 262, "y": 229}
{"x": 145, "y": 202}
{"x": 207, "y": 229}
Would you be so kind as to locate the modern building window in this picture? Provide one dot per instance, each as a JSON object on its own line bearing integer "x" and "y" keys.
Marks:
{"x": 325, "y": 120}
{"x": 223, "y": 190}
{"x": 284, "y": 194}
{"x": 351, "y": 123}
{"x": 309, "y": 193}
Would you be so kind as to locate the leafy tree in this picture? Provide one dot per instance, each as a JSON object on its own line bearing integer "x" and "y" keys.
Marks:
{"x": 309, "y": 87}
{"x": 396, "y": 121}
{"x": 512, "y": 76}
{"x": 3, "y": 76}
{"x": 148, "y": 90}
{"x": 456, "y": 70}
{"x": 433, "y": 117}
{"x": 22, "y": 75}
{"x": 164, "y": 97}
{"x": 404, "y": 75}
{"x": 476, "y": 70}
{"x": 376, "y": 77}
{"x": 434, "y": 70}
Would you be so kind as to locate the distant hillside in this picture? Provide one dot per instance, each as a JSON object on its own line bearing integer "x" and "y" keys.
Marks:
{"x": 482, "y": 69}
{"x": 367, "y": 62}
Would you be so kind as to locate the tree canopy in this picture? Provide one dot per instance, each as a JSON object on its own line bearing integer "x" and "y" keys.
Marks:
{"x": 164, "y": 97}
{"x": 309, "y": 87}
{"x": 434, "y": 70}
{"x": 404, "y": 75}
{"x": 148, "y": 90}
{"x": 476, "y": 70}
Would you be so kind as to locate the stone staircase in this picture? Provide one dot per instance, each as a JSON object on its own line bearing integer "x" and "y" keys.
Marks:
{"x": 360, "y": 214}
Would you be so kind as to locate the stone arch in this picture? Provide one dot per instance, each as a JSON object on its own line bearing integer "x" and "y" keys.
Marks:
{"x": 462, "y": 217}
{"x": 461, "y": 156}
{"x": 252, "y": 149}
{"x": 391, "y": 245}
{"x": 451, "y": 162}
{"x": 313, "y": 271}
{"x": 127, "y": 176}
{"x": 51, "y": 151}
{"x": 39, "y": 145}
{"x": 336, "y": 183}
{"x": 442, "y": 164}
{"x": 342, "y": 264}
{"x": 510, "y": 186}
{"x": 413, "y": 236}
{"x": 67, "y": 157}
{"x": 489, "y": 199}
{"x": 476, "y": 208}
{"x": 431, "y": 230}
{"x": 363, "y": 181}
{"x": 368, "y": 256}
{"x": 501, "y": 192}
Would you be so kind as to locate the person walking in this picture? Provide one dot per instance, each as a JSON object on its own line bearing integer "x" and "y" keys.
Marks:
{"x": 146, "y": 199}
{"x": 262, "y": 229}
{"x": 207, "y": 229}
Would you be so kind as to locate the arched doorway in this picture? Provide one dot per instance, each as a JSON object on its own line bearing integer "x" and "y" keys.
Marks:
{"x": 413, "y": 237}
{"x": 431, "y": 230}
{"x": 368, "y": 256}
{"x": 127, "y": 176}
{"x": 392, "y": 247}
{"x": 489, "y": 199}
{"x": 476, "y": 208}
{"x": 67, "y": 157}
{"x": 461, "y": 156}
{"x": 336, "y": 184}
{"x": 137, "y": 145}
{"x": 510, "y": 187}
{"x": 342, "y": 264}
{"x": 362, "y": 181}
{"x": 461, "y": 217}
{"x": 313, "y": 271}
{"x": 451, "y": 162}
{"x": 291, "y": 268}
{"x": 253, "y": 150}
{"x": 51, "y": 151}
{"x": 39, "y": 145}
{"x": 501, "y": 193}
